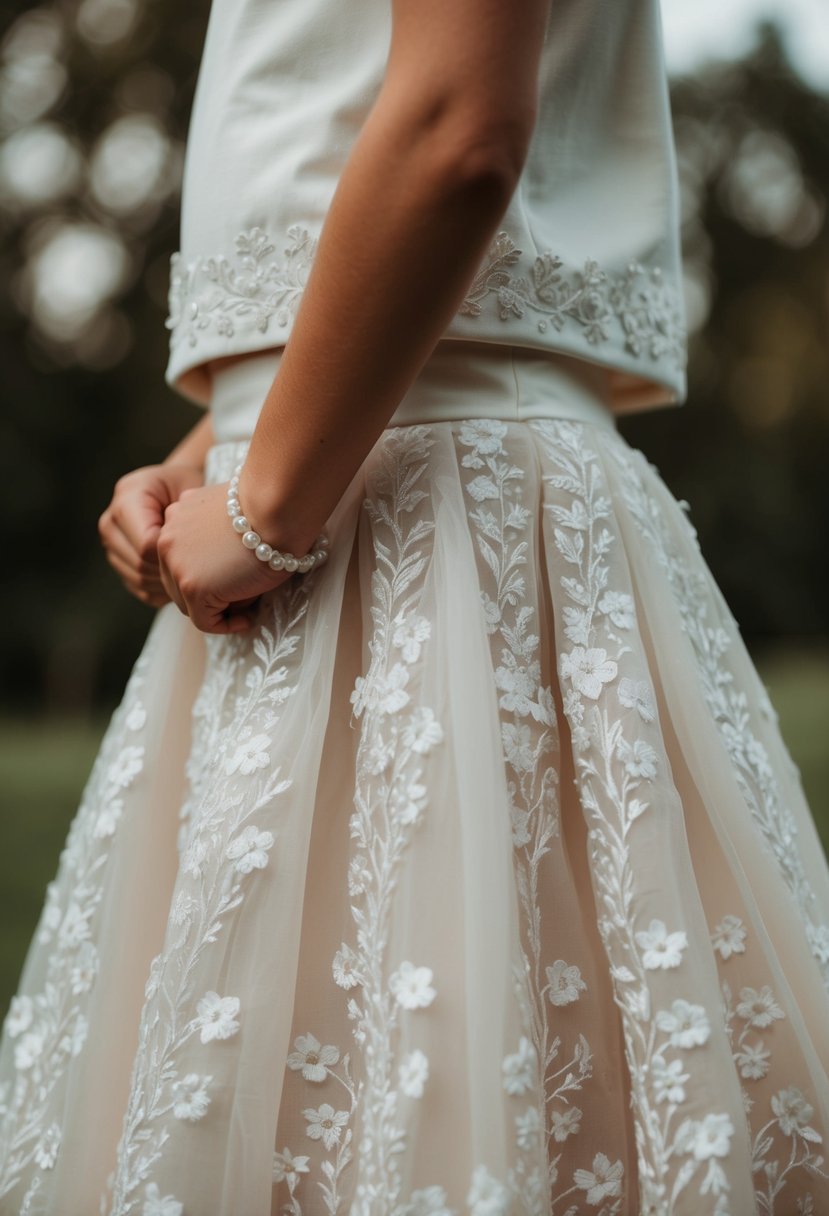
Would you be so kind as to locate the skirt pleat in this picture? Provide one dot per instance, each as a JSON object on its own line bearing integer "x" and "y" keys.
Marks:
{"x": 474, "y": 880}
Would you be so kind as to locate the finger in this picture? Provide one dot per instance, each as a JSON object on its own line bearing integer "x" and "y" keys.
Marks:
{"x": 115, "y": 541}
{"x": 140, "y": 514}
{"x": 136, "y": 584}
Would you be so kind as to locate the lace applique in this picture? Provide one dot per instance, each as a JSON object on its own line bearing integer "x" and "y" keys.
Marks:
{"x": 635, "y": 308}
{"x": 620, "y": 766}
{"x": 711, "y": 641}
{"x": 49, "y": 1029}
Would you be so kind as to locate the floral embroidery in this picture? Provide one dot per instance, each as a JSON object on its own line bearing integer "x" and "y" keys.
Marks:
{"x": 616, "y": 762}
{"x": 224, "y": 851}
{"x": 49, "y": 1027}
{"x": 729, "y": 706}
{"x": 634, "y": 307}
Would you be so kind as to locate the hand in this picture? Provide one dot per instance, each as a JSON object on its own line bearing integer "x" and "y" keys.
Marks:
{"x": 205, "y": 568}
{"x": 130, "y": 525}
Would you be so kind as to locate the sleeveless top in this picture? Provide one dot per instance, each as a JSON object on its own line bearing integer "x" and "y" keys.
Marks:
{"x": 586, "y": 260}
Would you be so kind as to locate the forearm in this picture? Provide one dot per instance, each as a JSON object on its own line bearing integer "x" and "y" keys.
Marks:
{"x": 404, "y": 234}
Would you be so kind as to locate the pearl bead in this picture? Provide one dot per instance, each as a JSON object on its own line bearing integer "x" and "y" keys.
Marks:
{"x": 251, "y": 539}
{"x": 263, "y": 552}
{"x": 240, "y": 524}
{"x": 277, "y": 561}
{"x": 305, "y": 563}
{"x": 291, "y": 563}
{"x": 233, "y": 507}
{"x": 321, "y": 555}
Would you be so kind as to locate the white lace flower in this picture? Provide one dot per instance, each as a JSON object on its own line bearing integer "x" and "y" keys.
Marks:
{"x": 325, "y": 1124}
{"x": 793, "y": 1113}
{"x": 492, "y": 613}
{"x": 482, "y": 488}
{"x": 286, "y": 1166}
{"x": 519, "y": 1068}
{"x": 183, "y": 907}
{"x": 588, "y": 670}
{"x": 729, "y": 937}
{"x": 528, "y": 1128}
{"x": 640, "y": 759}
{"x": 156, "y": 1204}
{"x": 483, "y": 434}
{"x": 619, "y": 607}
{"x": 46, "y": 1153}
{"x": 250, "y": 755}
{"x": 518, "y": 746}
{"x": 668, "y": 1080}
{"x": 108, "y": 818}
{"x": 565, "y": 982}
{"x": 407, "y": 803}
{"x": 84, "y": 969}
{"x": 250, "y": 850}
{"x": 662, "y": 949}
{"x": 136, "y": 718}
{"x": 520, "y": 824}
{"x": 217, "y": 1016}
{"x": 19, "y": 1017}
{"x": 51, "y": 915}
{"x": 753, "y": 1061}
{"x": 487, "y": 1196}
{"x": 126, "y": 766}
{"x": 74, "y": 1040}
{"x": 707, "y": 1137}
{"x": 379, "y": 755}
{"x": 410, "y": 632}
{"x": 818, "y": 938}
{"x": 758, "y": 1008}
{"x": 688, "y": 1025}
{"x": 29, "y": 1049}
{"x": 566, "y": 1123}
{"x": 343, "y": 967}
{"x": 518, "y": 685}
{"x": 429, "y": 1201}
{"x": 414, "y": 1073}
{"x": 74, "y": 928}
{"x": 636, "y": 694}
{"x": 422, "y": 731}
{"x": 604, "y": 1181}
{"x": 190, "y": 1097}
{"x": 412, "y": 986}
{"x": 312, "y": 1058}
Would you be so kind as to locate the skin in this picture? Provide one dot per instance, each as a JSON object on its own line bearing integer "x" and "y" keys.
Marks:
{"x": 435, "y": 165}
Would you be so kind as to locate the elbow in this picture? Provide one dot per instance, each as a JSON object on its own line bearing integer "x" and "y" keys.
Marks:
{"x": 487, "y": 155}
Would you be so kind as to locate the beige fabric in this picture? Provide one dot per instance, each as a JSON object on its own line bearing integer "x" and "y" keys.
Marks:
{"x": 476, "y": 879}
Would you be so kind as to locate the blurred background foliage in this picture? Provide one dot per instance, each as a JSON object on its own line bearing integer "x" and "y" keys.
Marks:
{"x": 94, "y": 103}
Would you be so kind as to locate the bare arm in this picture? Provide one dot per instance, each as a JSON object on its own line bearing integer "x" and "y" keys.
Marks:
{"x": 417, "y": 203}
{"x": 415, "y": 208}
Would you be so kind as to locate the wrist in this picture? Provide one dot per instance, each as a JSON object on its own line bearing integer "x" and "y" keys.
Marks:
{"x": 282, "y": 556}
{"x": 276, "y": 521}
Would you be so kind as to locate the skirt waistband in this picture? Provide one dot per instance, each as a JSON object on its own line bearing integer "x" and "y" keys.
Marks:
{"x": 459, "y": 380}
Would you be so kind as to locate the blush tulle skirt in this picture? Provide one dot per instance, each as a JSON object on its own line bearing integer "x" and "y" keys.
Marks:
{"x": 475, "y": 880}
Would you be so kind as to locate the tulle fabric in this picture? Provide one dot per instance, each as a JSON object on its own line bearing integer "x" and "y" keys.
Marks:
{"x": 475, "y": 879}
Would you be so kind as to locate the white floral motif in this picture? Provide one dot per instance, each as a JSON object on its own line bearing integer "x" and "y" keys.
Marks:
{"x": 487, "y": 1196}
{"x": 190, "y": 1097}
{"x": 287, "y": 1167}
{"x": 311, "y": 1058}
{"x": 48, "y": 1025}
{"x": 412, "y": 986}
{"x": 711, "y": 641}
{"x": 247, "y": 680}
{"x": 729, "y": 937}
{"x": 520, "y": 1068}
{"x": 414, "y": 1073}
{"x": 217, "y": 1017}
{"x": 616, "y": 759}
{"x": 325, "y": 1124}
{"x": 565, "y": 982}
{"x": 242, "y": 293}
{"x": 156, "y": 1204}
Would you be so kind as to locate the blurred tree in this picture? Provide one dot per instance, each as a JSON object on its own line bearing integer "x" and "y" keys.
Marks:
{"x": 94, "y": 103}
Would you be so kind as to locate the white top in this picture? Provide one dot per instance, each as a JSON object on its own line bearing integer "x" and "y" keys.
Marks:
{"x": 586, "y": 261}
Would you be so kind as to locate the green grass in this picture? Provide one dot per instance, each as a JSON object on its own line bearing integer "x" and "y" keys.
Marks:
{"x": 44, "y": 764}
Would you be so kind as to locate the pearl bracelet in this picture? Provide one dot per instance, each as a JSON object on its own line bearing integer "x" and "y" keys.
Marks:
{"x": 276, "y": 559}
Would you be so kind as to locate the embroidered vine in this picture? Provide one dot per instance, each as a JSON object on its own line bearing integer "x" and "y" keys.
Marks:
{"x": 634, "y": 308}
{"x": 49, "y": 1028}
{"x": 728, "y": 703}
{"x": 617, "y": 761}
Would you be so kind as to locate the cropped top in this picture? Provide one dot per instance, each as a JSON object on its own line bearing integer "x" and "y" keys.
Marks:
{"x": 586, "y": 261}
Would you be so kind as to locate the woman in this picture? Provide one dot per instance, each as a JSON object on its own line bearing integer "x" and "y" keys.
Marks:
{"x": 465, "y": 870}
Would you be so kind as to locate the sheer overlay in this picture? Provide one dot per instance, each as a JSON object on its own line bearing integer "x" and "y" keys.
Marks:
{"x": 475, "y": 879}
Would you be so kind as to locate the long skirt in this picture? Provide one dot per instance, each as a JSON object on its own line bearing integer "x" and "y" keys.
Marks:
{"x": 474, "y": 880}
